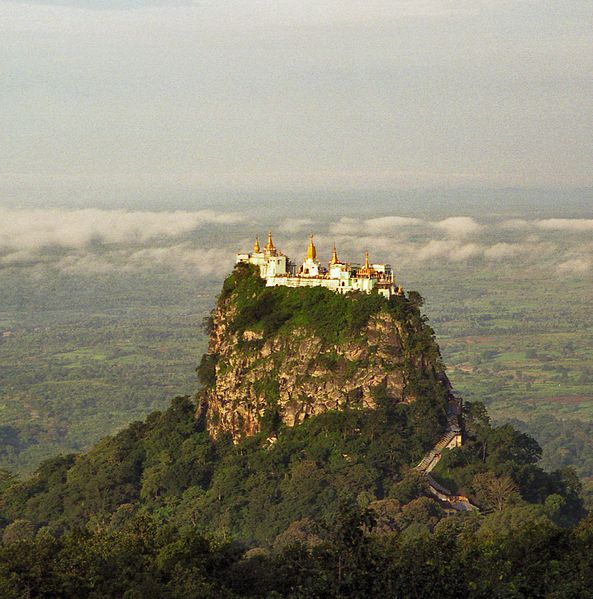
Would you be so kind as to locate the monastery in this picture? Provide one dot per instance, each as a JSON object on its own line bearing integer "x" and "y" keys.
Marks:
{"x": 341, "y": 277}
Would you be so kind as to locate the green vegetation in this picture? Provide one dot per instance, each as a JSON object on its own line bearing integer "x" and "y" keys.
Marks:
{"x": 331, "y": 509}
{"x": 565, "y": 442}
{"x": 497, "y": 462}
{"x": 516, "y": 553}
{"x": 519, "y": 338}
{"x": 336, "y": 324}
{"x": 75, "y": 367}
{"x": 331, "y": 316}
{"x": 169, "y": 465}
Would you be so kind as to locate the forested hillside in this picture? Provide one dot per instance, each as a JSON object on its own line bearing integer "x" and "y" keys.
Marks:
{"x": 330, "y": 507}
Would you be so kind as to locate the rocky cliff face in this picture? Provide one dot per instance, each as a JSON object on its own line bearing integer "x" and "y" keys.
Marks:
{"x": 269, "y": 364}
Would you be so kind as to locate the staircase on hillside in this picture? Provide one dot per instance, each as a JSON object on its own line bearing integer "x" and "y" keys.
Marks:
{"x": 452, "y": 437}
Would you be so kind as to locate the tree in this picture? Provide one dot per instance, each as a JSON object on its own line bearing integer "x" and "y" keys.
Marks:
{"x": 19, "y": 530}
{"x": 416, "y": 299}
{"x": 494, "y": 493}
{"x": 300, "y": 532}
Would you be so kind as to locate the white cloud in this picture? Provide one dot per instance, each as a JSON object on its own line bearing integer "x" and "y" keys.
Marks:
{"x": 87, "y": 264}
{"x": 37, "y": 228}
{"x": 183, "y": 258}
{"x": 345, "y": 226}
{"x": 415, "y": 241}
{"x": 455, "y": 226}
{"x": 388, "y": 223}
{"x": 101, "y": 241}
{"x": 458, "y": 226}
{"x": 577, "y": 225}
{"x": 21, "y": 258}
{"x": 448, "y": 249}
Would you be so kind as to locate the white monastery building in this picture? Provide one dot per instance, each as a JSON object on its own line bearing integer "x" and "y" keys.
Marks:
{"x": 341, "y": 277}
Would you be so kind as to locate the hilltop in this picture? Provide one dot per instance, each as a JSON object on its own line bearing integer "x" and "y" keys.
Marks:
{"x": 278, "y": 356}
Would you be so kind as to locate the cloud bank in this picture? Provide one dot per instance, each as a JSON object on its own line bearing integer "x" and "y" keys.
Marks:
{"x": 95, "y": 241}
{"x": 406, "y": 241}
{"x": 38, "y": 228}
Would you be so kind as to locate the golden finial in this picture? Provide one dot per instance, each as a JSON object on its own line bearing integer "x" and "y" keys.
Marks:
{"x": 311, "y": 251}
{"x": 366, "y": 270}
{"x": 270, "y": 245}
{"x": 334, "y": 259}
{"x": 256, "y": 249}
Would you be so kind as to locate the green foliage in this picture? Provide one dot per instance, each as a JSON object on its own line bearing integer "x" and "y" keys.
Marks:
{"x": 268, "y": 387}
{"x": 565, "y": 441}
{"x": 334, "y": 500}
{"x": 86, "y": 355}
{"x": 169, "y": 467}
{"x": 19, "y": 530}
{"x": 496, "y": 463}
{"x": 332, "y": 316}
{"x": 245, "y": 280}
{"x": 207, "y": 370}
{"x": 518, "y": 552}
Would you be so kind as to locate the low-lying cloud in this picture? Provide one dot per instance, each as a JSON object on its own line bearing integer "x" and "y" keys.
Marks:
{"x": 455, "y": 226}
{"x": 575, "y": 225}
{"x": 501, "y": 251}
{"x": 459, "y": 226}
{"x": 95, "y": 241}
{"x": 389, "y": 223}
{"x": 407, "y": 252}
{"x": 580, "y": 225}
{"x": 405, "y": 241}
{"x": 30, "y": 229}
{"x": 182, "y": 259}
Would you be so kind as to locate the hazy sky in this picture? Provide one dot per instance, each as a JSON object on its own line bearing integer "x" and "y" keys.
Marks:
{"x": 297, "y": 94}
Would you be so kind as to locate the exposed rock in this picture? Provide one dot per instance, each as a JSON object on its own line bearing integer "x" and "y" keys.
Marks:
{"x": 293, "y": 376}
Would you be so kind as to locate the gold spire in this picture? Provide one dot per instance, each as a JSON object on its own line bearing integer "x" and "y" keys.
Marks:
{"x": 270, "y": 245}
{"x": 311, "y": 251}
{"x": 366, "y": 269}
{"x": 256, "y": 249}
{"x": 334, "y": 259}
